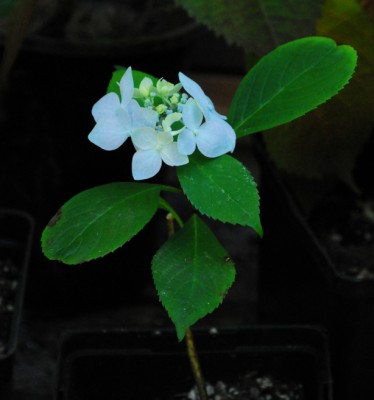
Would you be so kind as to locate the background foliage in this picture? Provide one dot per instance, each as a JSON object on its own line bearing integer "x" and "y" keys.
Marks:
{"x": 257, "y": 25}
{"x": 327, "y": 141}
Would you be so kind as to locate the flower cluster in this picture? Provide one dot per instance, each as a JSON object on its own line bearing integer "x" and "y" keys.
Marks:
{"x": 163, "y": 124}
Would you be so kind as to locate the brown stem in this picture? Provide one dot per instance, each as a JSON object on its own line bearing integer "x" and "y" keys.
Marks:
{"x": 195, "y": 365}
{"x": 170, "y": 224}
{"x": 191, "y": 349}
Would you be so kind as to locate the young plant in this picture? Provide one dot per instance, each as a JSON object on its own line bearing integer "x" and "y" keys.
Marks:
{"x": 178, "y": 125}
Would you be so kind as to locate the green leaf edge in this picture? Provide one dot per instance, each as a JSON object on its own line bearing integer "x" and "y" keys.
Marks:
{"x": 258, "y": 230}
{"x": 54, "y": 221}
{"x": 181, "y": 333}
{"x": 248, "y": 131}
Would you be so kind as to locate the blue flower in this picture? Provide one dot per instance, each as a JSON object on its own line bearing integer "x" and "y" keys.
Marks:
{"x": 152, "y": 148}
{"x": 117, "y": 119}
{"x": 213, "y": 138}
{"x": 203, "y": 101}
{"x": 193, "y": 121}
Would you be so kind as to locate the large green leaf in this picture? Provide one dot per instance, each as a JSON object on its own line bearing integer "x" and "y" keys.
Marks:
{"x": 99, "y": 220}
{"x": 327, "y": 141}
{"x": 290, "y": 81}
{"x": 222, "y": 188}
{"x": 257, "y": 25}
{"x": 192, "y": 273}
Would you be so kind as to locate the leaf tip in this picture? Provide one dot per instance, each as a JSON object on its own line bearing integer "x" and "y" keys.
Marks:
{"x": 258, "y": 229}
{"x": 55, "y": 218}
{"x": 181, "y": 332}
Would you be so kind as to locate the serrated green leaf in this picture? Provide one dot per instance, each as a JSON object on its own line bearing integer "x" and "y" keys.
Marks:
{"x": 222, "y": 188}
{"x": 192, "y": 274}
{"x": 327, "y": 141}
{"x": 117, "y": 75}
{"x": 99, "y": 220}
{"x": 257, "y": 25}
{"x": 290, "y": 81}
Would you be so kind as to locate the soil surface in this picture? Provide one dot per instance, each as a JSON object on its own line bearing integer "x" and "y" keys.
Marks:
{"x": 252, "y": 386}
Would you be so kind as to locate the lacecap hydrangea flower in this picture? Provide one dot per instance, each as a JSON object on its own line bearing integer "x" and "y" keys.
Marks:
{"x": 163, "y": 124}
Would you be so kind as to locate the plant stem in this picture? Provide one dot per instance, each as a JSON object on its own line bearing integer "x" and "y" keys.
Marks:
{"x": 172, "y": 214}
{"x": 170, "y": 224}
{"x": 191, "y": 348}
{"x": 195, "y": 365}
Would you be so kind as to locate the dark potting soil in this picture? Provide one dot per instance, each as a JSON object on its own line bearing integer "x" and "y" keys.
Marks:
{"x": 252, "y": 386}
{"x": 344, "y": 224}
{"x": 8, "y": 285}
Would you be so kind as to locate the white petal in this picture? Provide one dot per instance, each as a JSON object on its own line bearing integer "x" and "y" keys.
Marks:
{"x": 171, "y": 156}
{"x": 142, "y": 116}
{"x": 193, "y": 89}
{"x": 164, "y": 138}
{"x": 133, "y": 106}
{"x": 144, "y": 138}
{"x": 165, "y": 88}
{"x": 204, "y": 102}
{"x": 211, "y": 113}
{"x": 124, "y": 119}
{"x": 192, "y": 115}
{"x": 147, "y": 117}
{"x": 145, "y": 164}
{"x": 216, "y": 137}
{"x": 126, "y": 86}
{"x": 106, "y": 106}
{"x": 170, "y": 120}
{"x": 186, "y": 142}
{"x": 108, "y": 134}
{"x": 176, "y": 88}
{"x": 145, "y": 86}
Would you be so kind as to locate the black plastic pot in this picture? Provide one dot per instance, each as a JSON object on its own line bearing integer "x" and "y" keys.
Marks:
{"x": 148, "y": 365}
{"x": 299, "y": 283}
{"x": 16, "y": 229}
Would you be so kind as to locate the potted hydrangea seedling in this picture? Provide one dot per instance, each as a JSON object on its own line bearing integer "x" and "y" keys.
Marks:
{"x": 177, "y": 124}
